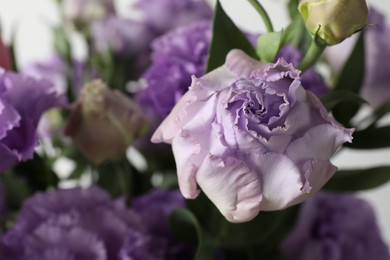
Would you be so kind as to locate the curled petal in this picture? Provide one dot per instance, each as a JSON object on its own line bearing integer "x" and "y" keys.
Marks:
{"x": 232, "y": 186}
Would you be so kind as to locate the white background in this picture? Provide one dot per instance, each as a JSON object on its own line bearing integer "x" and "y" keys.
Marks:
{"x": 30, "y": 20}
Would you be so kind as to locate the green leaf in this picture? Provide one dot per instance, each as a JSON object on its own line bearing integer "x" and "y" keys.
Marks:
{"x": 37, "y": 174}
{"x": 337, "y": 97}
{"x": 268, "y": 45}
{"x": 359, "y": 179}
{"x": 16, "y": 191}
{"x": 352, "y": 75}
{"x": 226, "y": 36}
{"x": 371, "y": 138}
{"x": 351, "y": 79}
{"x": 185, "y": 226}
{"x": 293, "y": 8}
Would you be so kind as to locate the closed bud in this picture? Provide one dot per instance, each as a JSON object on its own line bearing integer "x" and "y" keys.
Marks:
{"x": 104, "y": 122}
{"x": 334, "y": 20}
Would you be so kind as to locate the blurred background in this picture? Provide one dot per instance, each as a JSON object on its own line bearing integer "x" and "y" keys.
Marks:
{"x": 29, "y": 24}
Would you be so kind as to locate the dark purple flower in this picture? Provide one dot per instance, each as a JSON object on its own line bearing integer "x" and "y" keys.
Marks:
{"x": 164, "y": 15}
{"x": 377, "y": 77}
{"x": 154, "y": 209}
{"x": 84, "y": 224}
{"x": 176, "y": 56}
{"x": 22, "y": 102}
{"x": 311, "y": 80}
{"x": 73, "y": 223}
{"x": 335, "y": 227}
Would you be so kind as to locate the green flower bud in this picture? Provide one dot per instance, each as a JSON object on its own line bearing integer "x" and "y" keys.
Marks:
{"x": 334, "y": 20}
{"x": 104, "y": 122}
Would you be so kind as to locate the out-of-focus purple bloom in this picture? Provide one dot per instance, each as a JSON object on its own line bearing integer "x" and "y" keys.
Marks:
{"x": 22, "y": 102}
{"x": 86, "y": 11}
{"x": 251, "y": 137}
{"x": 311, "y": 80}
{"x": 86, "y": 224}
{"x": 154, "y": 209}
{"x": 376, "y": 86}
{"x": 69, "y": 224}
{"x": 335, "y": 227}
{"x": 121, "y": 36}
{"x": 176, "y": 56}
{"x": 164, "y": 15}
{"x": 54, "y": 70}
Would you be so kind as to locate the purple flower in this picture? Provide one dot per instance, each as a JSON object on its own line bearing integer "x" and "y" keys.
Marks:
{"x": 164, "y": 15}
{"x": 120, "y": 35}
{"x": 251, "y": 137}
{"x": 22, "y": 102}
{"x": 154, "y": 209}
{"x": 69, "y": 224}
{"x": 176, "y": 56}
{"x": 377, "y": 77}
{"x": 54, "y": 70}
{"x": 311, "y": 80}
{"x": 86, "y": 224}
{"x": 335, "y": 227}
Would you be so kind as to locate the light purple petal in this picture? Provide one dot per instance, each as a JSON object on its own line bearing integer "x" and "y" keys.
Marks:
{"x": 232, "y": 186}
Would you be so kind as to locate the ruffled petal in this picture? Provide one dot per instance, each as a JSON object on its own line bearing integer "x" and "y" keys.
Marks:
{"x": 232, "y": 186}
{"x": 319, "y": 142}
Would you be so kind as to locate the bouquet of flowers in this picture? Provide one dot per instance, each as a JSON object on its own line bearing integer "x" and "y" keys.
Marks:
{"x": 181, "y": 136}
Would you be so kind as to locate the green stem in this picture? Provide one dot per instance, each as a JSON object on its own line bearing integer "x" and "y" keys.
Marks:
{"x": 260, "y": 9}
{"x": 314, "y": 52}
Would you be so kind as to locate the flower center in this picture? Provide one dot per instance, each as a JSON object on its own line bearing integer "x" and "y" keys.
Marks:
{"x": 258, "y": 102}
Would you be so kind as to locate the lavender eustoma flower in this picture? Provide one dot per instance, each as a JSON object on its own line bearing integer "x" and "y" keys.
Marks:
{"x": 335, "y": 227}
{"x": 176, "y": 56}
{"x": 311, "y": 80}
{"x": 68, "y": 224}
{"x": 377, "y": 77}
{"x": 164, "y": 15}
{"x": 251, "y": 137}
{"x": 84, "y": 224}
{"x": 22, "y": 102}
{"x": 154, "y": 209}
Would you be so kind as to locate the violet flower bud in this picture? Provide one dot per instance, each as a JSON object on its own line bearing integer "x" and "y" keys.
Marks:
{"x": 104, "y": 122}
{"x": 334, "y": 20}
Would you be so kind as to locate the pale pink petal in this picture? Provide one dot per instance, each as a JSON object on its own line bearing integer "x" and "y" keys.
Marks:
{"x": 242, "y": 65}
{"x": 281, "y": 180}
{"x": 232, "y": 186}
